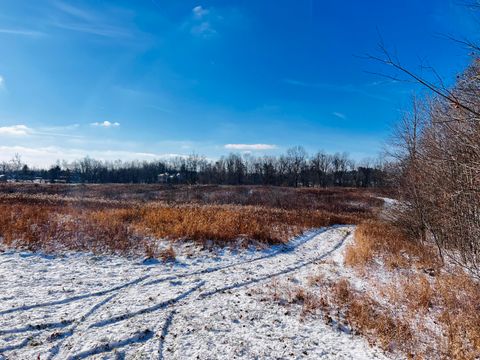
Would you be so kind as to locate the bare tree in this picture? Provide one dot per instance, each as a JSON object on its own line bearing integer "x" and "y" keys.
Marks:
{"x": 438, "y": 148}
{"x": 321, "y": 164}
{"x": 296, "y": 160}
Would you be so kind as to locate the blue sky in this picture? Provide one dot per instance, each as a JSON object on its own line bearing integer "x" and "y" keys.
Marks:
{"x": 153, "y": 78}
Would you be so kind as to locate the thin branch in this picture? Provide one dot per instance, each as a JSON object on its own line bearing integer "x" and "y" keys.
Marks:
{"x": 395, "y": 63}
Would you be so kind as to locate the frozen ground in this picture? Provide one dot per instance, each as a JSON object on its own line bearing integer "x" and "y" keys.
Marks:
{"x": 211, "y": 306}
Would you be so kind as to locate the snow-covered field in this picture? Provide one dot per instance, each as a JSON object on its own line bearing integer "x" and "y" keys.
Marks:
{"x": 211, "y": 306}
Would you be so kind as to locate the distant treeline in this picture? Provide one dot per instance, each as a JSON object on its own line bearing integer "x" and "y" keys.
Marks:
{"x": 295, "y": 168}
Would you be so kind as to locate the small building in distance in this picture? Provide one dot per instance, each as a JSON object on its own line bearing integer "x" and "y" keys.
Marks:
{"x": 167, "y": 178}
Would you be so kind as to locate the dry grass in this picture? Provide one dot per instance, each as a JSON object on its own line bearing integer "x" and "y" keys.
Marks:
{"x": 342, "y": 306}
{"x": 111, "y": 219}
{"x": 119, "y": 230}
{"x": 228, "y": 224}
{"x": 441, "y": 306}
{"x": 459, "y": 299}
{"x": 367, "y": 317}
{"x": 379, "y": 240}
{"x": 310, "y": 302}
{"x": 358, "y": 202}
{"x": 451, "y": 301}
{"x": 168, "y": 254}
{"x": 51, "y": 228}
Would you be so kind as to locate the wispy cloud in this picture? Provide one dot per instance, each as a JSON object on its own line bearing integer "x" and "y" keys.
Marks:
{"x": 204, "y": 29}
{"x": 250, "y": 147}
{"x": 21, "y": 32}
{"x": 345, "y": 88}
{"x": 49, "y": 132}
{"x": 61, "y": 128}
{"x": 2, "y": 83}
{"x": 74, "y": 11}
{"x": 100, "y": 30}
{"x": 16, "y": 130}
{"x": 339, "y": 115}
{"x": 106, "y": 124}
{"x": 87, "y": 21}
{"x": 383, "y": 82}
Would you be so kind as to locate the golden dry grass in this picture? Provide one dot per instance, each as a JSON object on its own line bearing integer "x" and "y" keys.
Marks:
{"x": 55, "y": 217}
{"x": 42, "y": 227}
{"x": 229, "y": 223}
{"x": 422, "y": 291}
{"x": 51, "y": 228}
{"x": 375, "y": 239}
{"x": 367, "y": 317}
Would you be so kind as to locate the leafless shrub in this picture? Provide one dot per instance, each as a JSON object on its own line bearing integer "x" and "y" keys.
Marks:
{"x": 438, "y": 151}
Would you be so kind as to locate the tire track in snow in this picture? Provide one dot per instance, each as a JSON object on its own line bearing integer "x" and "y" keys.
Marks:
{"x": 54, "y": 350}
{"x": 159, "y": 306}
{"x": 18, "y": 346}
{"x": 284, "y": 249}
{"x": 165, "y": 330}
{"x": 285, "y": 271}
{"x": 41, "y": 328}
{"x": 139, "y": 337}
{"x": 286, "y": 260}
{"x": 178, "y": 305}
{"x": 291, "y": 267}
{"x": 74, "y": 298}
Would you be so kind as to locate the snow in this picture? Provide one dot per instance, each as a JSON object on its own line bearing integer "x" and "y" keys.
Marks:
{"x": 389, "y": 202}
{"x": 79, "y": 306}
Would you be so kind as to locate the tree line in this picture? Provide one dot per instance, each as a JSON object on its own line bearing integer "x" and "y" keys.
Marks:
{"x": 294, "y": 168}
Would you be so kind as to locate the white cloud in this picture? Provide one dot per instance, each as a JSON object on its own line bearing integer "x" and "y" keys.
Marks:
{"x": 106, "y": 124}
{"x": 201, "y": 23}
{"x": 339, "y": 115}
{"x": 212, "y": 22}
{"x": 199, "y": 12}
{"x": 249, "y": 147}
{"x": 2, "y": 82}
{"x": 47, "y": 155}
{"x": 15, "y": 130}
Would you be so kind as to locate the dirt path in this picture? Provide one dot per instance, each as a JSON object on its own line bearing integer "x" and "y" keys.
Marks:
{"x": 209, "y": 307}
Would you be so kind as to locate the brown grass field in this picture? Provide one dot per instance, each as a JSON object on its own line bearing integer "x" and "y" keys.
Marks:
{"x": 129, "y": 219}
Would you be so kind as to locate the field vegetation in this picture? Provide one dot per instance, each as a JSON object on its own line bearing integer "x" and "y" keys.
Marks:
{"x": 132, "y": 219}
